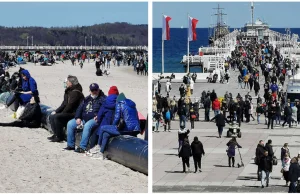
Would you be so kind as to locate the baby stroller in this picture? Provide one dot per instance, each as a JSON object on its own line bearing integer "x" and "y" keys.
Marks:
{"x": 215, "y": 78}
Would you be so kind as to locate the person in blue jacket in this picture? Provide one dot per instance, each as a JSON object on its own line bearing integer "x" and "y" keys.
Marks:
{"x": 29, "y": 88}
{"x": 126, "y": 111}
{"x": 86, "y": 119}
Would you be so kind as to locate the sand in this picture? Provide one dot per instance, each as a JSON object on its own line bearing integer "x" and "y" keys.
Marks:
{"x": 30, "y": 163}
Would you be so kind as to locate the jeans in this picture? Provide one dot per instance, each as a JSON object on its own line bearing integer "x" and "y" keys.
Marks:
{"x": 108, "y": 64}
{"x": 106, "y": 132}
{"x": 118, "y": 63}
{"x": 240, "y": 85}
{"x": 182, "y": 119}
{"x": 278, "y": 118}
{"x": 216, "y": 112}
{"x": 206, "y": 114}
{"x": 220, "y": 130}
{"x": 86, "y": 133}
{"x": 264, "y": 177}
{"x": 258, "y": 115}
{"x": 292, "y": 187}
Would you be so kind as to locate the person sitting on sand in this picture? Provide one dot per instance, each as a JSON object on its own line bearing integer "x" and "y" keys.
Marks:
{"x": 61, "y": 116}
{"x": 29, "y": 88}
{"x": 86, "y": 116}
{"x": 31, "y": 116}
{"x": 125, "y": 121}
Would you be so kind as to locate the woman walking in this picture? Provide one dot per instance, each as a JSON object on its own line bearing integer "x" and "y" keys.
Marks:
{"x": 232, "y": 144}
{"x": 285, "y": 169}
{"x": 185, "y": 153}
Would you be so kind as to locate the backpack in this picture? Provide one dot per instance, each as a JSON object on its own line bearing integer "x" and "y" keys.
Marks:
{"x": 168, "y": 115}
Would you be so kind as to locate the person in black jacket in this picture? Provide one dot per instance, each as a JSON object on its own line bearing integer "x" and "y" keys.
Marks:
{"x": 31, "y": 116}
{"x": 269, "y": 148}
{"x": 293, "y": 175}
{"x": 207, "y": 104}
{"x": 271, "y": 112}
{"x": 266, "y": 168}
{"x": 198, "y": 151}
{"x": 256, "y": 87}
{"x": 287, "y": 115}
{"x": 259, "y": 152}
{"x": 60, "y": 117}
{"x": 185, "y": 153}
{"x": 220, "y": 122}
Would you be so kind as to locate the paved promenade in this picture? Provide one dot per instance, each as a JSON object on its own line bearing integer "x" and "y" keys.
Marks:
{"x": 216, "y": 176}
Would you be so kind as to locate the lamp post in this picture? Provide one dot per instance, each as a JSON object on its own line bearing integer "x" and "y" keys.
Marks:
{"x": 31, "y": 40}
{"x": 27, "y": 40}
{"x": 91, "y": 41}
{"x": 85, "y": 41}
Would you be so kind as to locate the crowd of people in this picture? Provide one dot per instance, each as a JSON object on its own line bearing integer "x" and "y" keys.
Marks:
{"x": 98, "y": 116}
{"x": 258, "y": 64}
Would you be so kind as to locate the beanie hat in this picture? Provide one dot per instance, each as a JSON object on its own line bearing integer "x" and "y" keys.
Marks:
{"x": 113, "y": 90}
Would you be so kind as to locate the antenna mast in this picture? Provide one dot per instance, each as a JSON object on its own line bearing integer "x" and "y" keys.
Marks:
{"x": 252, "y": 10}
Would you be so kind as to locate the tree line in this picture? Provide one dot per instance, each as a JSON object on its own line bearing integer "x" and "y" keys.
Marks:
{"x": 107, "y": 34}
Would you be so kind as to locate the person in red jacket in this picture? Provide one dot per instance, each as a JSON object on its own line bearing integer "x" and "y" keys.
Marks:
{"x": 216, "y": 106}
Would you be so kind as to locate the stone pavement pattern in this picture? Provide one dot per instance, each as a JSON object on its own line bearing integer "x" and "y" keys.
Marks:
{"x": 216, "y": 176}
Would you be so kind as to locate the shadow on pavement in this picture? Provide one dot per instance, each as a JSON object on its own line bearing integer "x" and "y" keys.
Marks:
{"x": 221, "y": 166}
{"x": 174, "y": 171}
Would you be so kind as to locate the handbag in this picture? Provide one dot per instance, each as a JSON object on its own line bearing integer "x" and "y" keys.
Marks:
{"x": 193, "y": 116}
{"x": 274, "y": 161}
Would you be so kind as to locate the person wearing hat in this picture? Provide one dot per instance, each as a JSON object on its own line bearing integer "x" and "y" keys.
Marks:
{"x": 86, "y": 119}
{"x": 105, "y": 116}
{"x": 60, "y": 117}
{"x": 125, "y": 121}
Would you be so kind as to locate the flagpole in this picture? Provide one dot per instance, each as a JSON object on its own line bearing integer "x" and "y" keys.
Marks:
{"x": 188, "y": 47}
{"x": 162, "y": 50}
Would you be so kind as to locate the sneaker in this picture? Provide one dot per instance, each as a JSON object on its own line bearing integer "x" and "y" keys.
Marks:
{"x": 2, "y": 107}
{"x": 68, "y": 148}
{"x": 95, "y": 149}
{"x": 98, "y": 156}
{"x": 80, "y": 150}
{"x": 50, "y": 138}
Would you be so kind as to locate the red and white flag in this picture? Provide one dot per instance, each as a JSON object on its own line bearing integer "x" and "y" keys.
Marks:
{"x": 166, "y": 28}
{"x": 192, "y": 29}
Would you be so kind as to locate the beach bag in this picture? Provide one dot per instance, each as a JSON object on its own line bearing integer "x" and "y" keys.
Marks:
{"x": 20, "y": 111}
{"x": 168, "y": 115}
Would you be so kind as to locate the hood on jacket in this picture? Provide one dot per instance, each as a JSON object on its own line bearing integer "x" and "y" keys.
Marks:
{"x": 110, "y": 102}
{"x": 26, "y": 73}
{"x": 128, "y": 102}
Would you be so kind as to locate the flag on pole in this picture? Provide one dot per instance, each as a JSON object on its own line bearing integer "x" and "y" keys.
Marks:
{"x": 166, "y": 28}
{"x": 192, "y": 29}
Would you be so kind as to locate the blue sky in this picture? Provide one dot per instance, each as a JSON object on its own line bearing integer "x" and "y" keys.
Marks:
{"x": 71, "y": 14}
{"x": 277, "y": 14}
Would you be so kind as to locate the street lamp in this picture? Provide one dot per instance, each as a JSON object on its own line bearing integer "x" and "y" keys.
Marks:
{"x": 85, "y": 41}
{"x": 27, "y": 40}
{"x": 31, "y": 40}
{"x": 91, "y": 41}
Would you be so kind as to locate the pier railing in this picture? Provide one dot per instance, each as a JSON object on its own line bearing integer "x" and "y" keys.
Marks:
{"x": 103, "y": 48}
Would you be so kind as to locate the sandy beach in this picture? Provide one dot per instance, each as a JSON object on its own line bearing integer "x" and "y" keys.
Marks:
{"x": 30, "y": 163}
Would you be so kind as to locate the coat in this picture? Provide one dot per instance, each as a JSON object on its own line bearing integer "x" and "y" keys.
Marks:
{"x": 126, "y": 109}
{"x": 185, "y": 151}
{"x": 90, "y": 107}
{"x": 259, "y": 152}
{"x": 28, "y": 85}
{"x": 72, "y": 99}
{"x": 269, "y": 148}
{"x": 231, "y": 148}
{"x": 106, "y": 113}
{"x": 265, "y": 163}
{"x": 32, "y": 114}
{"x": 216, "y": 105}
{"x": 220, "y": 120}
{"x": 294, "y": 172}
{"x": 197, "y": 148}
